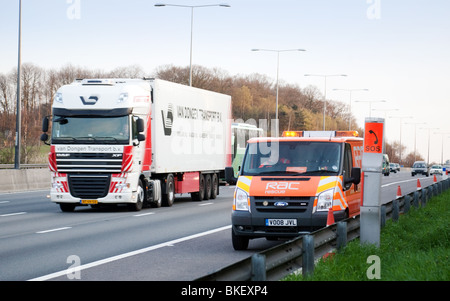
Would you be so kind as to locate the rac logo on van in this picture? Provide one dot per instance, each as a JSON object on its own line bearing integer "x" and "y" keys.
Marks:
{"x": 282, "y": 186}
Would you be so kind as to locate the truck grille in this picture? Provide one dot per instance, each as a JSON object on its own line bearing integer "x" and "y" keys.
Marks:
{"x": 89, "y": 162}
{"x": 89, "y": 186}
{"x": 291, "y": 204}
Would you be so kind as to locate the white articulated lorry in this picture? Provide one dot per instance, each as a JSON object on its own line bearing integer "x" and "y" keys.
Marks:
{"x": 136, "y": 142}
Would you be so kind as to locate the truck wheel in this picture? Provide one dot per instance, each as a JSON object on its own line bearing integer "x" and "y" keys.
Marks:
{"x": 169, "y": 197}
{"x": 214, "y": 186}
{"x": 207, "y": 187}
{"x": 140, "y": 199}
{"x": 67, "y": 207}
{"x": 239, "y": 242}
{"x": 198, "y": 196}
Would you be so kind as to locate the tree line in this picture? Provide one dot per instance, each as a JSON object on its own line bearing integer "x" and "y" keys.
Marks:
{"x": 253, "y": 97}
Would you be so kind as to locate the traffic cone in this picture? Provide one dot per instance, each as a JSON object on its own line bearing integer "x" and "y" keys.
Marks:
{"x": 330, "y": 217}
{"x": 418, "y": 185}
{"x": 399, "y": 192}
{"x": 434, "y": 179}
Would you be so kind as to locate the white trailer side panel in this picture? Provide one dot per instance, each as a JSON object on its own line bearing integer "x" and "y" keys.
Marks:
{"x": 190, "y": 128}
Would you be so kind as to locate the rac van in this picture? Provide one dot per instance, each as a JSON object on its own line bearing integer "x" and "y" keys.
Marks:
{"x": 287, "y": 185}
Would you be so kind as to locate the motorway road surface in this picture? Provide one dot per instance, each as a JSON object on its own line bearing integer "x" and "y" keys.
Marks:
{"x": 182, "y": 242}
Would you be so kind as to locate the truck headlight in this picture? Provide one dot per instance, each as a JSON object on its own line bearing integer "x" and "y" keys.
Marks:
{"x": 241, "y": 200}
{"x": 325, "y": 200}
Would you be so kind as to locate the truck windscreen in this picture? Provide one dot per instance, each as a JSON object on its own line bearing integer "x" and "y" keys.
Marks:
{"x": 292, "y": 158}
{"x": 102, "y": 130}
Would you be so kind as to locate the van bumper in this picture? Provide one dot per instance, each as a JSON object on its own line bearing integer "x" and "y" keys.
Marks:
{"x": 244, "y": 224}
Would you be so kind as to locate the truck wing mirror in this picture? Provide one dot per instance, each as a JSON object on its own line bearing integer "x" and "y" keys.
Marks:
{"x": 45, "y": 124}
{"x": 44, "y": 138}
{"x": 229, "y": 175}
{"x": 140, "y": 125}
{"x": 141, "y": 137}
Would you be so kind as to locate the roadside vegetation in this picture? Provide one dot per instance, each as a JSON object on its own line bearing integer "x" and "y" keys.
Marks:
{"x": 416, "y": 248}
{"x": 253, "y": 98}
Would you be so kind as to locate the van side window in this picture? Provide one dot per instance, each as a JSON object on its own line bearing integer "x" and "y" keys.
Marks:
{"x": 348, "y": 162}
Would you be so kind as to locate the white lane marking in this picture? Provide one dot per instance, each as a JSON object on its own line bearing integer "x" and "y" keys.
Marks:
{"x": 144, "y": 214}
{"x": 53, "y": 230}
{"x": 129, "y": 254}
{"x": 206, "y": 204}
{"x": 4, "y": 202}
{"x": 393, "y": 183}
{"x": 12, "y": 214}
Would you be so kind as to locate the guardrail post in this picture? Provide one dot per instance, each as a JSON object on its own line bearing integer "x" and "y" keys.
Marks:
{"x": 395, "y": 210}
{"x": 382, "y": 216}
{"x": 424, "y": 196}
{"x": 416, "y": 199}
{"x": 407, "y": 204}
{"x": 341, "y": 232}
{"x": 258, "y": 267}
{"x": 308, "y": 255}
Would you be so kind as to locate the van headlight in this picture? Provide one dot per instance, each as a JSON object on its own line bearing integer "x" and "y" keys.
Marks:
{"x": 325, "y": 200}
{"x": 241, "y": 200}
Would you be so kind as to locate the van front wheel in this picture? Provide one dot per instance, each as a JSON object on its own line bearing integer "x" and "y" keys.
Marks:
{"x": 239, "y": 242}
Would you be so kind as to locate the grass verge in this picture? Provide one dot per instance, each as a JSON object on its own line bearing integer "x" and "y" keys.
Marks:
{"x": 416, "y": 248}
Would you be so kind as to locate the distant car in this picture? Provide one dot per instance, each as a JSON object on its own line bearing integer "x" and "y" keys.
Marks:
{"x": 436, "y": 169}
{"x": 392, "y": 167}
{"x": 398, "y": 167}
{"x": 420, "y": 167}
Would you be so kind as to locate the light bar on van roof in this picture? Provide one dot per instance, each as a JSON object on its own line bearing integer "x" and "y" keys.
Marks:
{"x": 327, "y": 134}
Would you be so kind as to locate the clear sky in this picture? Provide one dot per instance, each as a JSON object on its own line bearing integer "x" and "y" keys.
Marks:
{"x": 398, "y": 49}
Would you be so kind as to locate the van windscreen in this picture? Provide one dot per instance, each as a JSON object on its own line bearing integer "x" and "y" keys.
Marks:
{"x": 292, "y": 158}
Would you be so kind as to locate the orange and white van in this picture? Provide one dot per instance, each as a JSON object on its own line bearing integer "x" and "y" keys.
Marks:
{"x": 287, "y": 185}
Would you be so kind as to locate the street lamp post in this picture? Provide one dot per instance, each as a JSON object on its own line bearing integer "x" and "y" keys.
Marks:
{"x": 350, "y": 103}
{"x": 18, "y": 109}
{"x": 442, "y": 146}
{"x": 415, "y": 136}
{"x": 370, "y": 104}
{"x": 429, "y": 134}
{"x": 192, "y": 26}
{"x": 401, "y": 118}
{"x": 325, "y": 92}
{"x": 278, "y": 69}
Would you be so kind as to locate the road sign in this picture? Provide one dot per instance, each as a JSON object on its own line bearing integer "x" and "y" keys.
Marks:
{"x": 373, "y": 137}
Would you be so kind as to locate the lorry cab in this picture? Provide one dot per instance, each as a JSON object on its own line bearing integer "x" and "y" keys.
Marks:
{"x": 287, "y": 185}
